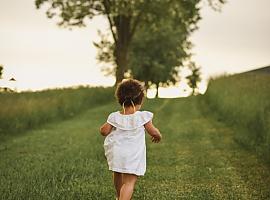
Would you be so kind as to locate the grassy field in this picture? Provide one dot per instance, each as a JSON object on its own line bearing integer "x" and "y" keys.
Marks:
{"x": 27, "y": 110}
{"x": 197, "y": 159}
{"x": 243, "y": 102}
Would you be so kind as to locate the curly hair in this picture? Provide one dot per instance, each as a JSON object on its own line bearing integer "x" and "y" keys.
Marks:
{"x": 128, "y": 91}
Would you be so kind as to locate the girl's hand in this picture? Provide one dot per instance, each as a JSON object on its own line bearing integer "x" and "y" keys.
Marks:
{"x": 156, "y": 139}
{"x": 153, "y": 132}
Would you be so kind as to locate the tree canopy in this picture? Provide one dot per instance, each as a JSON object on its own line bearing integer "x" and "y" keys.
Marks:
{"x": 159, "y": 48}
{"x": 124, "y": 17}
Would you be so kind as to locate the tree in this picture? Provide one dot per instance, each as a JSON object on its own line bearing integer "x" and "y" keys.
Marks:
{"x": 155, "y": 58}
{"x": 123, "y": 16}
{"x": 159, "y": 49}
{"x": 194, "y": 78}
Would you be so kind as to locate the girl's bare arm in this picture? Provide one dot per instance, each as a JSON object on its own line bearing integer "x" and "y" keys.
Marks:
{"x": 153, "y": 131}
{"x": 105, "y": 129}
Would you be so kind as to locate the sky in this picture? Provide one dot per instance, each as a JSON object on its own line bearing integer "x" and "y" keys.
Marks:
{"x": 40, "y": 55}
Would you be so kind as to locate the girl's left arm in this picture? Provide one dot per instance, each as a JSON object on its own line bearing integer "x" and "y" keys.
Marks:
{"x": 105, "y": 129}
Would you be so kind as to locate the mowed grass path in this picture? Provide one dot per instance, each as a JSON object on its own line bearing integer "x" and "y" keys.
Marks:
{"x": 197, "y": 159}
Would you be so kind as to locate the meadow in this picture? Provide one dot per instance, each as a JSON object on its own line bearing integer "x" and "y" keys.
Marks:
{"x": 243, "y": 102}
{"x": 203, "y": 153}
{"x": 197, "y": 159}
{"x": 28, "y": 110}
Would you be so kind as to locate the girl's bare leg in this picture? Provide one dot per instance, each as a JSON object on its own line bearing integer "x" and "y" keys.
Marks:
{"x": 128, "y": 184}
{"x": 117, "y": 180}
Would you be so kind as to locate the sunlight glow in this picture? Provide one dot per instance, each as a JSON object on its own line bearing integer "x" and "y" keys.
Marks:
{"x": 180, "y": 90}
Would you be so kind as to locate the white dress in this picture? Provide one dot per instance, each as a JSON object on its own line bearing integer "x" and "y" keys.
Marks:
{"x": 125, "y": 147}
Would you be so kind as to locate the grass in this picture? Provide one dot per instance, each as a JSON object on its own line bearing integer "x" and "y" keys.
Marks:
{"x": 242, "y": 101}
{"x": 28, "y": 110}
{"x": 197, "y": 159}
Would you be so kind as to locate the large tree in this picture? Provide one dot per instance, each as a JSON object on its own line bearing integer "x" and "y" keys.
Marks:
{"x": 156, "y": 57}
{"x": 159, "y": 48}
{"x": 123, "y": 16}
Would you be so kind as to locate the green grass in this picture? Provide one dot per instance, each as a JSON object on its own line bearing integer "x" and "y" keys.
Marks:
{"x": 27, "y": 110}
{"x": 197, "y": 159}
{"x": 243, "y": 102}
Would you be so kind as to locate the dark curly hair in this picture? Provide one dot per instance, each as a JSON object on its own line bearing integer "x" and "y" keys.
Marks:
{"x": 129, "y": 91}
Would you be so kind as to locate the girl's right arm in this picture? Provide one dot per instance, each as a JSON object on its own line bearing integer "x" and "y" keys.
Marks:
{"x": 153, "y": 131}
{"x": 105, "y": 129}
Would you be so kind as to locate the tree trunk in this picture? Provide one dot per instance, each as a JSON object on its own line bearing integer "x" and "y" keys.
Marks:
{"x": 146, "y": 86}
{"x": 157, "y": 86}
{"x": 193, "y": 91}
{"x": 122, "y": 23}
{"x": 121, "y": 62}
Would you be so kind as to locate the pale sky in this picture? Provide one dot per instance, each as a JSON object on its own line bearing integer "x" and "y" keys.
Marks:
{"x": 39, "y": 54}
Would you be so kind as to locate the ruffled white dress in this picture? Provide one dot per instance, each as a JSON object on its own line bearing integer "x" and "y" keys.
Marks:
{"x": 125, "y": 147}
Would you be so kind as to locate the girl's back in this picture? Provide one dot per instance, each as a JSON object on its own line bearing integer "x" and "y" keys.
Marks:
{"x": 124, "y": 147}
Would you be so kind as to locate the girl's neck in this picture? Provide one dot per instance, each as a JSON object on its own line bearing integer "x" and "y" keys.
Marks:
{"x": 129, "y": 110}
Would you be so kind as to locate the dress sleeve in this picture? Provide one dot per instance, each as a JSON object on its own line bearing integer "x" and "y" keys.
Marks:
{"x": 147, "y": 116}
{"x": 111, "y": 119}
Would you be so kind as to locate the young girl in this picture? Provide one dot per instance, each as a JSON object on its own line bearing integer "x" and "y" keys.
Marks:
{"x": 124, "y": 144}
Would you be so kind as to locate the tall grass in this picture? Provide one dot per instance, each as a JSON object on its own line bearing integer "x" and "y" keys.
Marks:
{"x": 22, "y": 111}
{"x": 243, "y": 100}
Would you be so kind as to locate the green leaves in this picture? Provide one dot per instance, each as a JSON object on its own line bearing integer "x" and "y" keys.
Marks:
{"x": 71, "y": 12}
{"x": 162, "y": 26}
{"x": 161, "y": 45}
